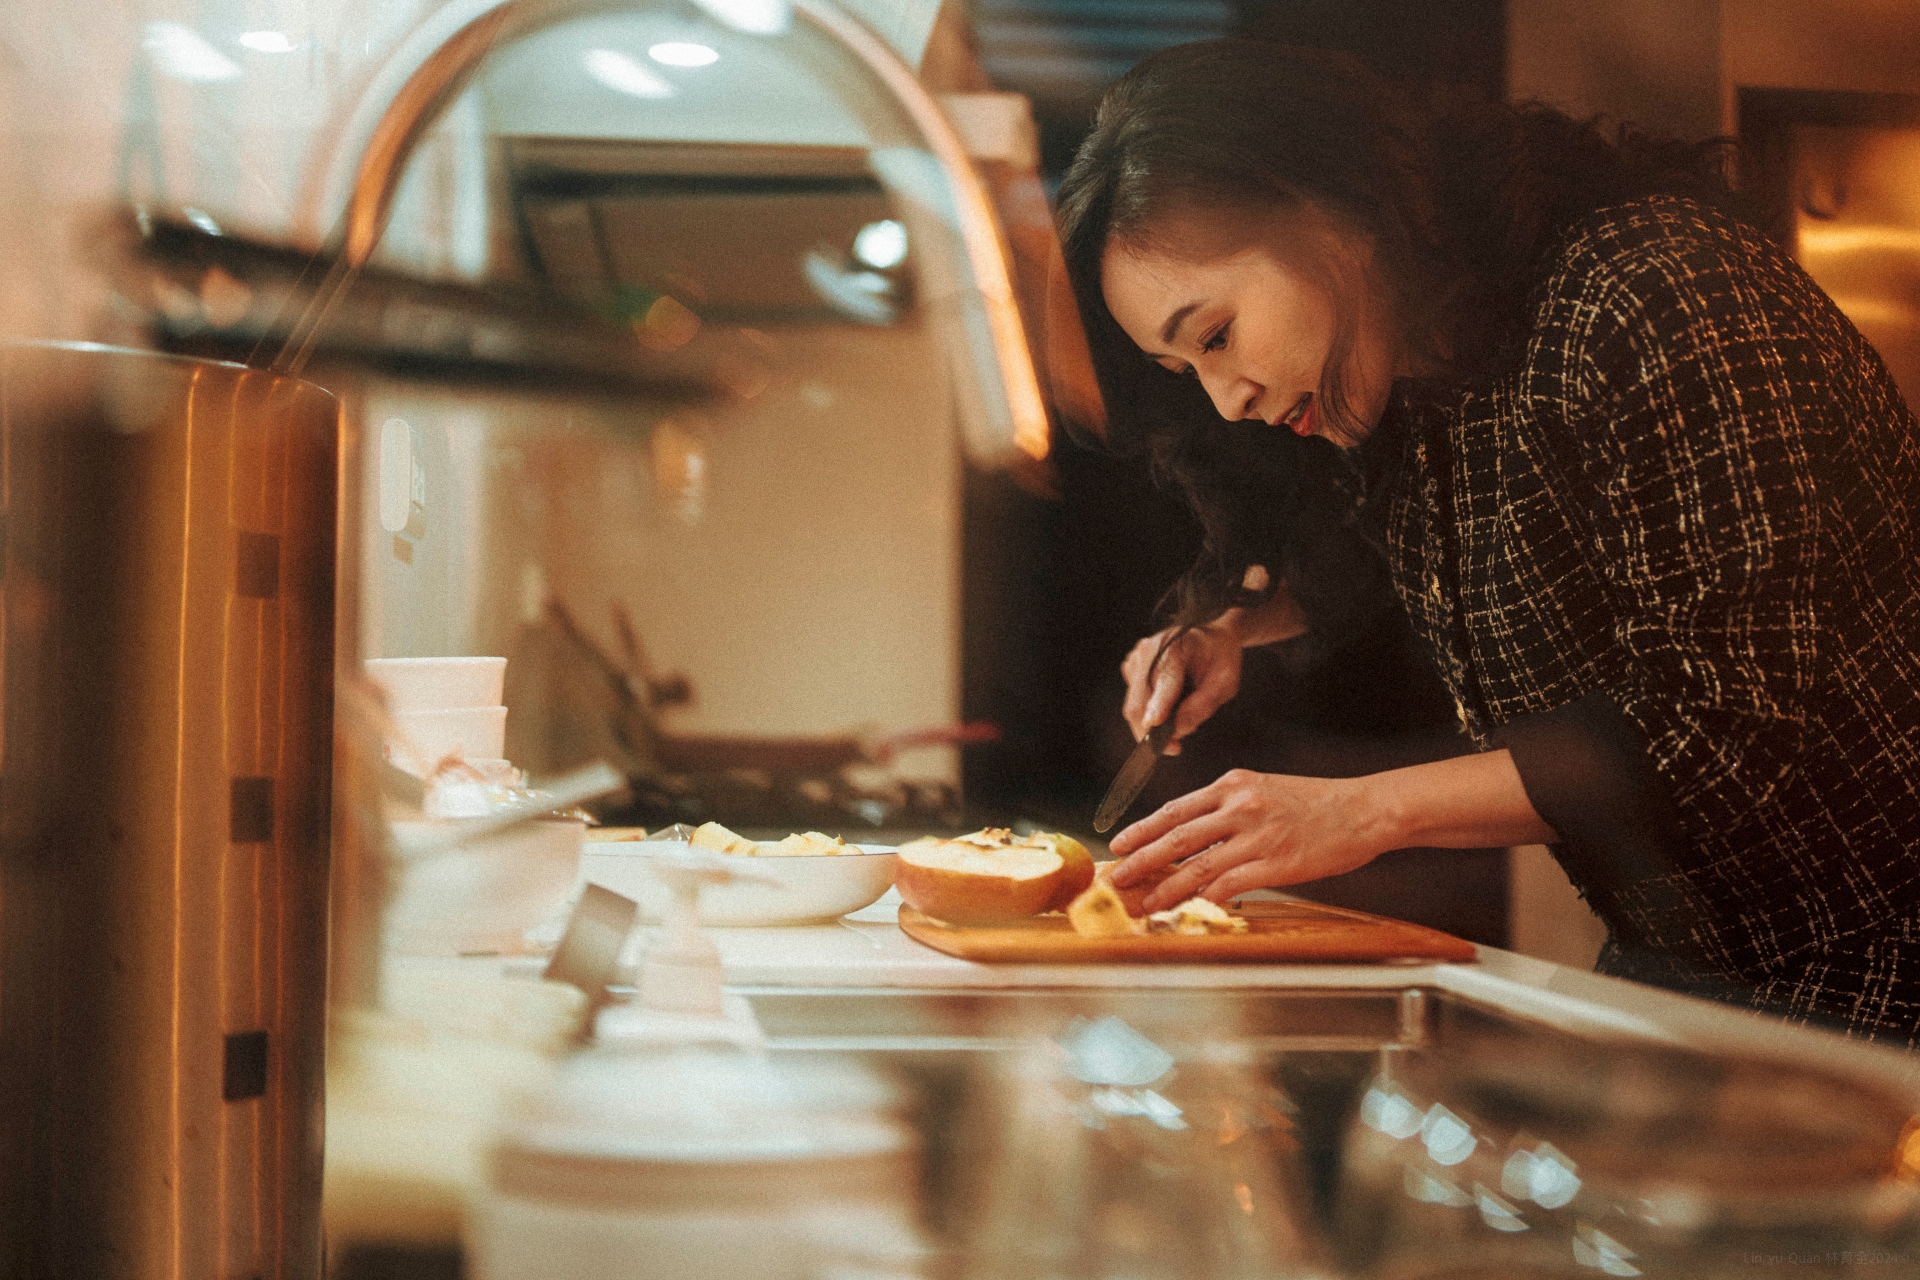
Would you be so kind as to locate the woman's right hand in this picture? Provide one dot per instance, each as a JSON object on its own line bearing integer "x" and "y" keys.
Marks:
{"x": 1207, "y": 658}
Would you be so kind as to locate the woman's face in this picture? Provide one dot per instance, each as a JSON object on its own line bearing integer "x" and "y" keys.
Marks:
{"x": 1260, "y": 333}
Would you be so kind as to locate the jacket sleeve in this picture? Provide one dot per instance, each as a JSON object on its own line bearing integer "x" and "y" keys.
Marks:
{"x": 1685, "y": 438}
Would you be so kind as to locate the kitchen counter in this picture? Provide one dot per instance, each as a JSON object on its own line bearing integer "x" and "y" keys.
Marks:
{"x": 867, "y": 951}
{"x": 409, "y": 1125}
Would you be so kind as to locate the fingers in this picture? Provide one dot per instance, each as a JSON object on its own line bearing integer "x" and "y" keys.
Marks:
{"x": 1199, "y": 873}
{"x": 1169, "y": 817}
{"x": 1255, "y": 873}
{"x": 1138, "y": 664}
{"x": 1167, "y": 684}
{"x": 1216, "y": 686}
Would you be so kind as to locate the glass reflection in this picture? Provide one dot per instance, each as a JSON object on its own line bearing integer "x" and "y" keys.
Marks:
{"x": 1505, "y": 1155}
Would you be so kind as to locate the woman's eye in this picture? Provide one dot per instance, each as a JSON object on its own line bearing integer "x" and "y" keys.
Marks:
{"x": 1215, "y": 340}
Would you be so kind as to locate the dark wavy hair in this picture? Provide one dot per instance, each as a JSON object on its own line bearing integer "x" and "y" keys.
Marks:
{"x": 1460, "y": 195}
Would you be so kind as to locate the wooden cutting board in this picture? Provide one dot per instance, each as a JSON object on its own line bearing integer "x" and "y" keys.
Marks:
{"x": 1278, "y": 933}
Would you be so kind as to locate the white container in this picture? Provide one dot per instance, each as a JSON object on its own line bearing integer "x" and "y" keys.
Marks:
{"x": 485, "y": 896}
{"x": 701, "y": 1162}
{"x": 473, "y": 733}
{"x": 439, "y": 684}
{"x": 805, "y": 890}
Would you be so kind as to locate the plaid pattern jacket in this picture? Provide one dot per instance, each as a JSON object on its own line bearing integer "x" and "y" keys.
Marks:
{"x": 1671, "y": 561}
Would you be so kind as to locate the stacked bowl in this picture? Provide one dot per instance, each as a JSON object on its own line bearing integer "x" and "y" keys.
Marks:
{"x": 441, "y": 708}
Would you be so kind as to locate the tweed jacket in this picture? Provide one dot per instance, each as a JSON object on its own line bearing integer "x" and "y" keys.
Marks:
{"x": 1670, "y": 559}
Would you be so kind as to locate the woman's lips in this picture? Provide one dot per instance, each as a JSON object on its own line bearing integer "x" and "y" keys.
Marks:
{"x": 1300, "y": 421}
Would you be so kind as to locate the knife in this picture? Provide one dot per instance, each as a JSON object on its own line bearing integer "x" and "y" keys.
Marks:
{"x": 1133, "y": 775}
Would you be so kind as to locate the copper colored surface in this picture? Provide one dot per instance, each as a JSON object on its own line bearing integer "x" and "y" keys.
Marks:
{"x": 167, "y": 680}
{"x": 1278, "y": 933}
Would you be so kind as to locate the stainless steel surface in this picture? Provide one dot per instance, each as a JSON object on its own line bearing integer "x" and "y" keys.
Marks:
{"x": 855, "y": 1019}
{"x": 1685, "y": 1158}
{"x": 1133, "y": 775}
{"x": 168, "y": 663}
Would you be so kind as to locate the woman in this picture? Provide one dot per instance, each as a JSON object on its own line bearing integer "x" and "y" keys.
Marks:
{"x": 1642, "y": 490}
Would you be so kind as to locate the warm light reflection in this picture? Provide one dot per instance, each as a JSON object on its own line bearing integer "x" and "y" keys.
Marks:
{"x": 1867, "y": 309}
{"x": 680, "y": 53}
{"x": 1816, "y": 240}
{"x": 1906, "y": 1152}
{"x": 667, "y": 325}
{"x": 680, "y": 473}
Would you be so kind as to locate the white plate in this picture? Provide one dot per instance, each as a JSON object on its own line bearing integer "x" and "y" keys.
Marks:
{"x": 807, "y": 890}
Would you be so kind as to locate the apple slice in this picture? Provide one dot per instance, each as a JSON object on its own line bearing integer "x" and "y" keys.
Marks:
{"x": 1134, "y": 896}
{"x": 964, "y": 882}
{"x": 711, "y": 835}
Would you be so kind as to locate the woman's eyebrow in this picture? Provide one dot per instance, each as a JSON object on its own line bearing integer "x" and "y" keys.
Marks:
{"x": 1175, "y": 320}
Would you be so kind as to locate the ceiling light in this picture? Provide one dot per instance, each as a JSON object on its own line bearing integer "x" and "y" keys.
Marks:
{"x": 178, "y": 51}
{"x": 618, "y": 71}
{"x": 881, "y": 244}
{"x": 676, "y": 53}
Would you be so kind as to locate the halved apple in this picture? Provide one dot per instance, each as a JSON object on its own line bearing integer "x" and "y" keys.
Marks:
{"x": 1075, "y": 876}
{"x": 967, "y": 881}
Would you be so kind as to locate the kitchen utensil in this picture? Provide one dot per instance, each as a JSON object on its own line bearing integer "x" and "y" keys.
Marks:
{"x": 1133, "y": 775}
{"x": 804, "y": 890}
{"x": 1278, "y": 933}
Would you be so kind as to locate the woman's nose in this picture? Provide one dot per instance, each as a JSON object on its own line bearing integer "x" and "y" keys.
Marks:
{"x": 1232, "y": 396}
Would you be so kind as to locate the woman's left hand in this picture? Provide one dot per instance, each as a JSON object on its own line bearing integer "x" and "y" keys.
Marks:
{"x": 1252, "y": 831}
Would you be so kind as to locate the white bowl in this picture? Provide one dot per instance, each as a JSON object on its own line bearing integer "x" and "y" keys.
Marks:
{"x": 475, "y": 733}
{"x": 806, "y": 890}
{"x": 484, "y": 896}
{"x": 439, "y": 684}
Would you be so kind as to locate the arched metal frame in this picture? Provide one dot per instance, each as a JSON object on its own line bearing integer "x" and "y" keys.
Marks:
{"x": 436, "y": 62}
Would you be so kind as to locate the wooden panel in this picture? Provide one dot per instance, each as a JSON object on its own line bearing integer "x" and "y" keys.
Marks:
{"x": 1279, "y": 933}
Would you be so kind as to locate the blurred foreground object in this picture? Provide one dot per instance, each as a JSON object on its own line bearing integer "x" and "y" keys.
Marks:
{"x": 168, "y": 676}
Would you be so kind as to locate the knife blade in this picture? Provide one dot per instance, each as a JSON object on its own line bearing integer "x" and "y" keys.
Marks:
{"x": 1133, "y": 775}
